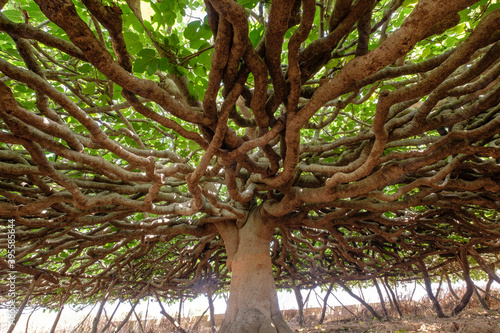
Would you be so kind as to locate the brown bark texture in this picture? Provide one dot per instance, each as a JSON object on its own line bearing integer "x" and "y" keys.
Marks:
{"x": 147, "y": 151}
{"x": 253, "y": 301}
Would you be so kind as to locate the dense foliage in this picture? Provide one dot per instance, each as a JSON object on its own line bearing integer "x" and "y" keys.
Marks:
{"x": 367, "y": 130}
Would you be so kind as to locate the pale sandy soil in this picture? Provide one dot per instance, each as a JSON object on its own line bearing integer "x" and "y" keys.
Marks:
{"x": 467, "y": 322}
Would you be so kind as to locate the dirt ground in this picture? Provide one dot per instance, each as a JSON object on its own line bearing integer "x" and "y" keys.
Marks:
{"x": 467, "y": 322}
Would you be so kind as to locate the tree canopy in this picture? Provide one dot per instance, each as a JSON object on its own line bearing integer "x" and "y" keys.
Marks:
{"x": 137, "y": 136}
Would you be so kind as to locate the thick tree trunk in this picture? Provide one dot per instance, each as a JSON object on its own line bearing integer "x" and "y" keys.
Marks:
{"x": 253, "y": 301}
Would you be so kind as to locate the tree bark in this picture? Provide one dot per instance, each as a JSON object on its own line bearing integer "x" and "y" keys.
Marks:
{"x": 64, "y": 298}
{"x": 462, "y": 259}
{"x": 488, "y": 287}
{"x": 97, "y": 318}
{"x": 481, "y": 300}
{"x": 381, "y": 297}
{"x": 394, "y": 297}
{"x": 428, "y": 288}
{"x": 450, "y": 288}
{"x": 23, "y": 304}
{"x": 171, "y": 319}
{"x": 253, "y": 301}
{"x": 300, "y": 303}
{"x": 362, "y": 301}
{"x": 212, "y": 311}
{"x": 325, "y": 303}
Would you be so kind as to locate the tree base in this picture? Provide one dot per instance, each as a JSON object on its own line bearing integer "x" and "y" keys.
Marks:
{"x": 254, "y": 321}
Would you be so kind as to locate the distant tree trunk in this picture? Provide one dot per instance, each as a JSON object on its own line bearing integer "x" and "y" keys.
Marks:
{"x": 325, "y": 303}
{"x": 362, "y": 301}
{"x": 464, "y": 262}
{"x": 253, "y": 301}
{"x": 300, "y": 303}
{"x": 428, "y": 288}
{"x": 394, "y": 297}
{"x": 381, "y": 297}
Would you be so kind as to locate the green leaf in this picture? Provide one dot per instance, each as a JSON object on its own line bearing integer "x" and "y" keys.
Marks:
{"x": 248, "y": 3}
{"x": 147, "y": 62}
{"x": 133, "y": 42}
{"x": 85, "y": 68}
{"x": 191, "y": 30}
{"x": 13, "y": 15}
{"x": 89, "y": 89}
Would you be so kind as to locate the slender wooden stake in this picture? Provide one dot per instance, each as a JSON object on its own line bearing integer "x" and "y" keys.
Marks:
{"x": 450, "y": 287}
{"x": 146, "y": 316}
{"x": 488, "y": 294}
{"x": 464, "y": 262}
{"x": 138, "y": 319}
{"x": 171, "y": 319}
{"x": 179, "y": 315}
{"x": 109, "y": 323}
{"x": 97, "y": 318}
{"x": 490, "y": 270}
{"x": 359, "y": 299}
{"x": 439, "y": 286}
{"x": 212, "y": 311}
{"x": 361, "y": 290}
{"x": 64, "y": 298}
{"x": 382, "y": 302}
{"x": 481, "y": 300}
{"x": 488, "y": 287}
{"x": 388, "y": 295}
{"x": 345, "y": 307}
{"x": 195, "y": 326}
{"x": 28, "y": 321}
{"x": 428, "y": 288}
{"x": 85, "y": 319}
{"x": 394, "y": 297}
{"x": 124, "y": 321}
{"x": 325, "y": 303}
{"x": 413, "y": 292}
{"x": 23, "y": 304}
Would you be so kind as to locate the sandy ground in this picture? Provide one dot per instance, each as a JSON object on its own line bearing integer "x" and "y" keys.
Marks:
{"x": 467, "y": 322}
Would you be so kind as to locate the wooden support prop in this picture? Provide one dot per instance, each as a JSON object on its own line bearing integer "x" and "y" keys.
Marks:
{"x": 124, "y": 321}
{"x": 109, "y": 323}
{"x": 23, "y": 304}
{"x": 171, "y": 319}
{"x": 64, "y": 298}
{"x": 359, "y": 299}
{"x": 97, "y": 318}
{"x": 428, "y": 288}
